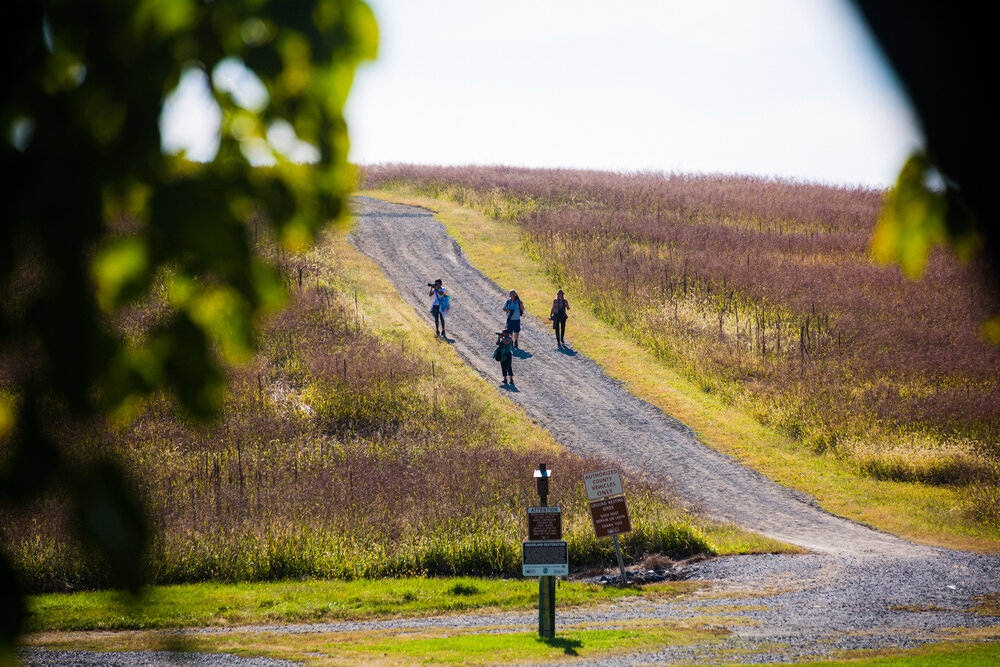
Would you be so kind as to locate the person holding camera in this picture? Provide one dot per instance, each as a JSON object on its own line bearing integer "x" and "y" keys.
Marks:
{"x": 514, "y": 309}
{"x": 439, "y": 306}
{"x": 505, "y": 354}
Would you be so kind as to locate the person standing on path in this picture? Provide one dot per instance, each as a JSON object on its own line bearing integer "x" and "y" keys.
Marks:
{"x": 505, "y": 354}
{"x": 438, "y": 306}
{"x": 514, "y": 309}
{"x": 558, "y": 316}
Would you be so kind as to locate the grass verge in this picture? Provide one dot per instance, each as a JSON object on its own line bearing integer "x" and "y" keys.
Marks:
{"x": 502, "y": 644}
{"x": 312, "y": 601}
{"x": 919, "y": 512}
{"x": 936, "y": 655}
{"x": 412, "y": 646}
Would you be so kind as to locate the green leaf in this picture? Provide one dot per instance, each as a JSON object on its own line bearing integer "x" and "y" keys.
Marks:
{"x": 121, "y": 271}
{"x": 226, "y": 316}
{"x": 912, "y": 221}
{"x": 991, "y": 329}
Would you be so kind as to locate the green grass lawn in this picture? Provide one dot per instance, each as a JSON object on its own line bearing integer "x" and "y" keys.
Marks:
{"x": 214, "y": 604}
{"x": 938, "y": 655}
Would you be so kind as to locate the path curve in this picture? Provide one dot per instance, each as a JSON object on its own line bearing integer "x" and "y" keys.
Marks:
{"x": 862, "y": 590}
{"x": 585, "y": 410}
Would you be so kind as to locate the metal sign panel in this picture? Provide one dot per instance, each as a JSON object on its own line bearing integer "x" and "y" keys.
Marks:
{"x": 610, "y": 517}
{"x": 602, "y": 483}
{"x": 544, "y": 523}
{"x": 544, "y": 559}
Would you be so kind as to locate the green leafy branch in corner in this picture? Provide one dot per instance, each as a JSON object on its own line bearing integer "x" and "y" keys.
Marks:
{"x": 97, "y": 215}
{"x": 923, "y": 211}
{"x": 943, "y": 57}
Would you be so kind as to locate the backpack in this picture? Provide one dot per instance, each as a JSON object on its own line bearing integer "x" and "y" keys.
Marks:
{"x": 444, "y": 302}
{"x": 497, "y": 353}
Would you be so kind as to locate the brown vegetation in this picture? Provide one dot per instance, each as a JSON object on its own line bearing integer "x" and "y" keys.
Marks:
{"x": 764, "y": 291}
{"x": 339, "y": 454}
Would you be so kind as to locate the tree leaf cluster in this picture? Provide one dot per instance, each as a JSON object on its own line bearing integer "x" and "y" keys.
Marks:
{"x": 98, "y": 215}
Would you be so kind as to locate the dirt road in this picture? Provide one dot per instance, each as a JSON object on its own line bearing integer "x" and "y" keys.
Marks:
{"x": 586, "y": 411}
{"x": 862, "y": 588}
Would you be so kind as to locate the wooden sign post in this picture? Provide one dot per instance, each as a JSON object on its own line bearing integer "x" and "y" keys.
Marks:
{"x": 607, "y": 508}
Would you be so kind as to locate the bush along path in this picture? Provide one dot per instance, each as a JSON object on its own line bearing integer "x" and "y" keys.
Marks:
{"x": 593, "y": 414}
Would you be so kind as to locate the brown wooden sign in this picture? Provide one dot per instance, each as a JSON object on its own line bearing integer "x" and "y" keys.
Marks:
{"x": 544, "y": 523}
{"x": 610, "y": 517}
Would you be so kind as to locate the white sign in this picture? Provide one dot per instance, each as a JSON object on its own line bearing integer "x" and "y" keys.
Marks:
{"x": 602, "y": 483}
{"x": 544, "y": 559}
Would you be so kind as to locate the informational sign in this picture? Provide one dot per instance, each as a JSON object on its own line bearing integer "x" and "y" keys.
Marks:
{"x": 544, "y": 559}
{"x": 602, "y": 483}
{"x": 610, "y": 517}
{"x": 544, "y": 523}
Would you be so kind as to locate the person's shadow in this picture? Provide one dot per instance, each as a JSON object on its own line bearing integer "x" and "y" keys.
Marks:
{"x": 521, "y": 354}
{"x": 567, "y": 351}
{"x": 511, "y": 387}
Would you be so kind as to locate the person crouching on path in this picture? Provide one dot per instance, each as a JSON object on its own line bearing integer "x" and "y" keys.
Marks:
{"x": 505, "y": 353}
{"x": 514, "y": 309}
{"x": 558, "y": 316}
{"x": 438, "y": 292}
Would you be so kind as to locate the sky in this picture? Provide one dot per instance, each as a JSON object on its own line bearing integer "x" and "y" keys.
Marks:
{"x": 778, "y": 88}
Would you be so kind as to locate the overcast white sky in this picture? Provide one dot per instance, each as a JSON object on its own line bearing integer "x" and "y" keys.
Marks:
{"x": 786, "y": 88}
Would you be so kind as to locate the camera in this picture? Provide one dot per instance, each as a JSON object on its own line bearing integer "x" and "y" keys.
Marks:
{"x": 501, "y": 335}
{"x": 430, "y": 284}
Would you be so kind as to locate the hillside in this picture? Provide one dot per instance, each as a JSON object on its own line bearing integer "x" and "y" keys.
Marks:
{"x": 763, "y": 294}
{"x": 351, "y": 446}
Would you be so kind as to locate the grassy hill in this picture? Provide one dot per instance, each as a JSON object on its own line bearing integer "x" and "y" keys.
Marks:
{"x": 354, "y": 445}
{"x": 767, "y": 327}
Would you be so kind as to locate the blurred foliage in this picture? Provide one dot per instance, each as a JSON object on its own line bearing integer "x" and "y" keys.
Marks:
{"x": 921, "y": 212}
{"x": 943, "y": 55}
{"x": 97, "y": 216}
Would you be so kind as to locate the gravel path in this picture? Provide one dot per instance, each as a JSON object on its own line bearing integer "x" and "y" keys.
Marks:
{"x": 859, "y": 589}
{"x": 586, "y": 411}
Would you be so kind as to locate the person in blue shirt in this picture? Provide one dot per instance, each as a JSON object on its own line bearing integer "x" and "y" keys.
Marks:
{"x": 438, "y": 292}
{"x": 514, "y": 309}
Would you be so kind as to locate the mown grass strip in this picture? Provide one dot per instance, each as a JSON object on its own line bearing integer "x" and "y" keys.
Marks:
{"x": 213, "y": 604}
{"x": 502, "y": 645}
{"x": 937, "y": 655}
{"x": 919, "y": 512}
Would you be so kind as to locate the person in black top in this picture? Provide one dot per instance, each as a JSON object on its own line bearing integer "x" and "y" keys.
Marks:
{"x": 505, "y": 354}
{"x": 558, "y": 316}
